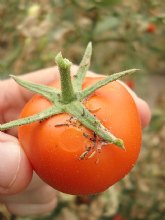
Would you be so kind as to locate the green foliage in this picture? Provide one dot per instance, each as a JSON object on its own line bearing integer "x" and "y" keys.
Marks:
{"x": 33, "y": 32}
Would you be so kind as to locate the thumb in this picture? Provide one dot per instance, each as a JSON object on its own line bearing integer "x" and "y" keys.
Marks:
{"x": 15, "y": 169}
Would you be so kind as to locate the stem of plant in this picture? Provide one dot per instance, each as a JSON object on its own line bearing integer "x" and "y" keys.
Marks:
{"x": 68, "y": 94}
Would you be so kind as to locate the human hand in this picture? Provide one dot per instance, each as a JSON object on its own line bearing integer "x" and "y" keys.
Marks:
{"x": 22, "y": 193}
{"x": 31, "y": 195}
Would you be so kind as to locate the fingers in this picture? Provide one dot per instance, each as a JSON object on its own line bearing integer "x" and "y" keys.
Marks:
{"x": 38, "y": 198}
{"x": 15, "y": 169}
{"x": 41, "y": 200}
{"x": 15, "y": 176}
{"x": 31, "y": 209}
{"x": 144, "y": 110}
{"x": 142, "y": 106}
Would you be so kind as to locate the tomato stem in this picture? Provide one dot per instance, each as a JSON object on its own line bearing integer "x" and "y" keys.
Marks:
{"x": 68, "y": 94}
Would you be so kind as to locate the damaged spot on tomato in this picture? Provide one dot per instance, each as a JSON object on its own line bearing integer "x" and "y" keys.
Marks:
{"x": 93, "y": 104}
{"x": 72, "y": 140}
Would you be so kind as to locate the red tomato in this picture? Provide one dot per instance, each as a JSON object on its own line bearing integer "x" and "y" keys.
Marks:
{"x": 54, "y": 146}
{"x": 151, "y": 28}
{"x": 118, "y": 217}
{"x": 130, "y": 83}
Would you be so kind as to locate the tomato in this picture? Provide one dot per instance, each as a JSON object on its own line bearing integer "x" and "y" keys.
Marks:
{"x": 151, "y": 28}
{"x": 54, "y": 146}
{"x": 118, "y": 217}
{"x": 130, "y": 83}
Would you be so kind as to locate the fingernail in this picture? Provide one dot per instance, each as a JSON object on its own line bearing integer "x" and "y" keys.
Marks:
{"x": 9, "y": 164}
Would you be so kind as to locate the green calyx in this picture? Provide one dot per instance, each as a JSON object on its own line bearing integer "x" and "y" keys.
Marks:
{"x": 70, "y": 98}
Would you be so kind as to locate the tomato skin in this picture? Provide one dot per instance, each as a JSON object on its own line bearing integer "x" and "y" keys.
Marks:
{"x": 54, "y": 150}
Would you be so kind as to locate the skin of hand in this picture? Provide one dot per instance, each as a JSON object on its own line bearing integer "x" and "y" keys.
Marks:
{"x": 21, "y": 190}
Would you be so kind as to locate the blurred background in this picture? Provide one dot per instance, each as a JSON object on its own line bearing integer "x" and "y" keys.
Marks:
{"x": 125, "y": 34}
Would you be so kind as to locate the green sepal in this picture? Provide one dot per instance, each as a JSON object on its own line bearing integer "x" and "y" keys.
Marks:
{"x": 78, "y": 78}
{"x": 89, "y": 90}
{"x": 33, "y": 118}
{"x": 46, "y": 91}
